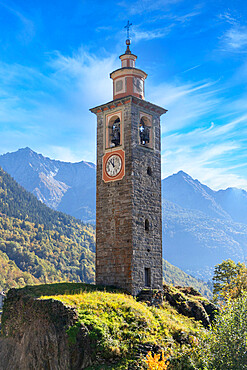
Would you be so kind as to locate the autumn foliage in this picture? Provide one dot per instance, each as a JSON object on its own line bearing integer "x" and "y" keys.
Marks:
{"x": 157, "y": 361}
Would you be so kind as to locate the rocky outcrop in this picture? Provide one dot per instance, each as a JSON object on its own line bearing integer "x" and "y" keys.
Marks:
{"x": 152, "y": 297}
{"x": 35, "y": 335}
{"x": 188, "y": 302}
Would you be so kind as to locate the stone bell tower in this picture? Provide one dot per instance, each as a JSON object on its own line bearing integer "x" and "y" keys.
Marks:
{"x": 128, "y": 200}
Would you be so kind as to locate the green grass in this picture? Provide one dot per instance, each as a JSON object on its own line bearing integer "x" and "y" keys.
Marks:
{"x": 117, "y": 323}
{"x": 55, "y": 289}
{"x": 198, "y": 298}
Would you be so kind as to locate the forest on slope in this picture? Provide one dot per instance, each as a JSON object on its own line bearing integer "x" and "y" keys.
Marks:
{"x": 38, "y": 244}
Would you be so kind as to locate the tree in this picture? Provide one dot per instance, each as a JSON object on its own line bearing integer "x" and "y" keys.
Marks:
{"x": 226, "y": 343}
{"x": 230, "y": 280}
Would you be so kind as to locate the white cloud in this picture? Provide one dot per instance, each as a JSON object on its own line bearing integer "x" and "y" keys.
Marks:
{"x": 63, "y": 153}
{"x": 186, "y": 103}
{"x": 186, "y": 17}
{"x": 235, "y": 38}
{"x": 211, "y": 154}
{"x": 228, "y": 18}
{"x": 87, "y": 73}
{"x": 150, "y": 35}
{"x": 204, "y": 165}
{"x": 190, "y": 69}
{"x": 54, "y": 107}
{"x": 202, "y": 133}
{"x": 144, "y": 30}
{"x": 146, "y": 6}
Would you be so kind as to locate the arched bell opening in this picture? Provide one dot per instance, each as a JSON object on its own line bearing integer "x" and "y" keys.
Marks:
{"x": 145, "y": 132}
{"x": 114, "y": 133}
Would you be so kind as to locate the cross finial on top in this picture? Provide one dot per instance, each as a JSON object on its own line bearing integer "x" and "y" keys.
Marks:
{"x": 128, "y": 29}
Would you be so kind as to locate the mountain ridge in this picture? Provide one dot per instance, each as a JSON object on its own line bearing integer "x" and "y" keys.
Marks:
{"x": 55, "y": 183}
{"x": 183, "y": 190}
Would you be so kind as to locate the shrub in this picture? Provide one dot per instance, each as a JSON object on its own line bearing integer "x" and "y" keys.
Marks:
{"x": 226, "y": 344}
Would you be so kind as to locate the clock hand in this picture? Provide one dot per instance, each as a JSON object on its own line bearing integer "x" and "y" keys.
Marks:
{"x": 112, "y": 162}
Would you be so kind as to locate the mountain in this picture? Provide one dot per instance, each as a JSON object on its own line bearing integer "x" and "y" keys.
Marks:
{"x": 196, "y": 242}
{"x": 70, "y": 188}
{"x": 38, "y": 244}
{"x": 63, "y": 186}
{"x": 229, "y": 204}
{"x": 188, "y": 193}
{"x": 201, "y": 227}
{"x": 234, "y": 201}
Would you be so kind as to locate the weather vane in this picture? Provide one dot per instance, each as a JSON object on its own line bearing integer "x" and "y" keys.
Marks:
{"x": 128, "y": 29}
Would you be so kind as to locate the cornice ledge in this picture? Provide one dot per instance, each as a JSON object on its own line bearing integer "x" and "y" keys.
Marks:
{"x": 147, "y": 105}
{"x": 112, "y": 104}
{"x": 127, "y": 99}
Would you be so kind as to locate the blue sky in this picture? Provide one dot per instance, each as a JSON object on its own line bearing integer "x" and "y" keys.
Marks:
{"x": 55, "y": 60}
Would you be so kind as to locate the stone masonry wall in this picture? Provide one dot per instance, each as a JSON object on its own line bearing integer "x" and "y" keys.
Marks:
{"x": 113, "y": 213}
{"x": 123, "y": 248}
{"x": 147, "y": 245}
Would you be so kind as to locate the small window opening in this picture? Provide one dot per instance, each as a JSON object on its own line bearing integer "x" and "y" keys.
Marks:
{"x": 119, "y": 85}
{"x": 146, "y": 225}
{"x": 144, "y": 133}
{"x": 149, "y": 171}
{"x": 147, "y": 273}
{"x": 115, "y": 133}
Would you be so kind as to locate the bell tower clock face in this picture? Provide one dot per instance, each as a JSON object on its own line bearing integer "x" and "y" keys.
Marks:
{"x": 113, "y": 165}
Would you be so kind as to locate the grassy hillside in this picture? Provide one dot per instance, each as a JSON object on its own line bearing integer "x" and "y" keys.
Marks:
{"x": 122, "y": 330}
